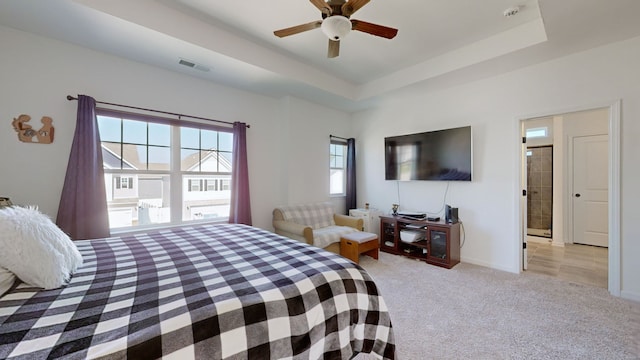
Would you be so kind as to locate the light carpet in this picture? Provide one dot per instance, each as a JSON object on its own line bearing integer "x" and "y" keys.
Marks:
{"x": 473, "y": 312}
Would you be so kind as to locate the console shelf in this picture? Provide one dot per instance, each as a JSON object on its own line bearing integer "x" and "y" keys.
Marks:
{"x": 440, "y": 245}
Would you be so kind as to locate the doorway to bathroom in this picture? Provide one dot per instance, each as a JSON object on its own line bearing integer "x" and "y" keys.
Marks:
{"x": 582, "y": 198}
{"x": 538, "y": 170}
{"x": 540, "y": 191}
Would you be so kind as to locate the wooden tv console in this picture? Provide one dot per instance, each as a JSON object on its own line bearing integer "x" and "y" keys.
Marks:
{"x": 440, "y": 244}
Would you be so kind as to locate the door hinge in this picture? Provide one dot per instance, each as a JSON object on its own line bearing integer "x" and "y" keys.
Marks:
{"x": 524, "y": 139}
{"x": 524, "y": 192}
{"x": 524, "y": 245}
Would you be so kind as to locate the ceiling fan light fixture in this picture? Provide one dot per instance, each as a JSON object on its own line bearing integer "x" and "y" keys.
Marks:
{"x": 336, "y": 27}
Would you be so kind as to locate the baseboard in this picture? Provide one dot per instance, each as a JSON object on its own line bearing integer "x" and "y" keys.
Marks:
{"x": 630, "y": 295}
{"x": 488, "y": 265}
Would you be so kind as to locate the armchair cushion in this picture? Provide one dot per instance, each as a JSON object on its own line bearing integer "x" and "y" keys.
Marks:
{"x": 315, "y": 223}
{"x": 293, "y": 231}
{"x": 326, "y": 236}
{"x": 316, "y": 216}
{"x": 346, "y": 220}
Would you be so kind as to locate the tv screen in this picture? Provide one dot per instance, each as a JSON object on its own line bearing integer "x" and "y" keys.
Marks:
{"x": 434, "y": 155}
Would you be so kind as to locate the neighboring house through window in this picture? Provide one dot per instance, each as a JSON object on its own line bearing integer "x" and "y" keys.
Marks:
{"x": 337, "y": 164}
{"x": 161, "y": 172}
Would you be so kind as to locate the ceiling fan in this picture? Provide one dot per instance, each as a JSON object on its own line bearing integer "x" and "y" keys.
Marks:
{"x": 336, "y": 23}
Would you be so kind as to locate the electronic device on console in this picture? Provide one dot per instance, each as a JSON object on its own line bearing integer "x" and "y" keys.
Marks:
{"x": 412, "y": 215}
{"x": 451, "y": 214}
{"x": 410, "y": 236}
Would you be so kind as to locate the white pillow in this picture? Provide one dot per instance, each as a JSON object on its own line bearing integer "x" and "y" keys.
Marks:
{"x": 35, "y": 249}
{"x": 6, "y": 280}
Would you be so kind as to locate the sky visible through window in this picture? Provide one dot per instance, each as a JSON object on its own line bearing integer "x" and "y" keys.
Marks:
{"x": 192, "y": 140}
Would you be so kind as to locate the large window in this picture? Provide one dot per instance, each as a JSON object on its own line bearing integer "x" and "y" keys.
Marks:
{"x": 337, "y": 164}
{"x": 161, "y": 173}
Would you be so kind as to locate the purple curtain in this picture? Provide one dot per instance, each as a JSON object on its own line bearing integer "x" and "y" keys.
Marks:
{"x": 83, "y": 210}
{"x": 350, "y": 191}
{"x": 240, "y": 212}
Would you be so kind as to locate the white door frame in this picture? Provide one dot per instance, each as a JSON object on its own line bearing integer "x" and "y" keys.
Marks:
{"x": 523, "y": 196}
{"x": 614, "y": 187}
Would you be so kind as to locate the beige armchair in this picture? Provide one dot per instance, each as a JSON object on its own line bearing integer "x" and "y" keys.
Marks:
{"x": 316, "y": 224}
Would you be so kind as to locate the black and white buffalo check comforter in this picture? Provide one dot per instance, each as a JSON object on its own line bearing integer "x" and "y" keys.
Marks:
{"x": 205, "y": 292}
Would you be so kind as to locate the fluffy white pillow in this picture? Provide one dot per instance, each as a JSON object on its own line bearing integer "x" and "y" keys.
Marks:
{"x": 6, "y": 280}
{"x": 35, "y": 249}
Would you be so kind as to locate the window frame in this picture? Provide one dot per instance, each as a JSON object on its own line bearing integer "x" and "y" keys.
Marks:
{"x": 177, "y": 176}
{"x": 332, "y": 162}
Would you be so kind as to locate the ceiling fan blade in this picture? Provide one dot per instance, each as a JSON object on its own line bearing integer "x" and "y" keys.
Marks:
{"x": 352, "y": 6}
{"x": 298, "y": 29}
{"x": 334, "y": 49}
{"x": 374, "y": 29}
{"x": 322, "y": 6}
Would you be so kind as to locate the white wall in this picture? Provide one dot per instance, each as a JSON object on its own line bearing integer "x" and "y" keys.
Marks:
{"x": 37, "y": 73}
{"x": 493, "y": 107}
{"x": 306, "y": 156}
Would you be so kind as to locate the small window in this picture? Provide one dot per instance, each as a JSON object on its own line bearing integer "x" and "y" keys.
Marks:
{"x": 123, "y": 182}
{"x": 211, "y": 185}
{"x": 337, "y": 166}
{"x": 537, "y": 132}
{"x": 126, "y": 183}
{"x": 225, "y": 185}
{"x": 195, "y": 184}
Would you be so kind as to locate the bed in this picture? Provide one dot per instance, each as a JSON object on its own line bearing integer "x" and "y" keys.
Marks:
{"x": 200, "y": 292}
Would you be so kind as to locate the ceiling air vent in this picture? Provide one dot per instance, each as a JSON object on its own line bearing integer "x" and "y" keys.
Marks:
{"x": 193, "y": 65}
{"x": 512, "y": 11}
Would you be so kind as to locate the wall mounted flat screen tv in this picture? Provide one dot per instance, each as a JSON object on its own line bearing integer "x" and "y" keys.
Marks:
{"x": 435, "y": 155}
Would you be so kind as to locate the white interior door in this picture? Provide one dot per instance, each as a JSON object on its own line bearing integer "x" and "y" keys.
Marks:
{"x": 590, "y": 190}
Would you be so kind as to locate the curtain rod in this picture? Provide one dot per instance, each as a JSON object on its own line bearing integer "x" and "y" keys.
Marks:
{"x": 69, "y": 97}
{"x": 338, "y": 137}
